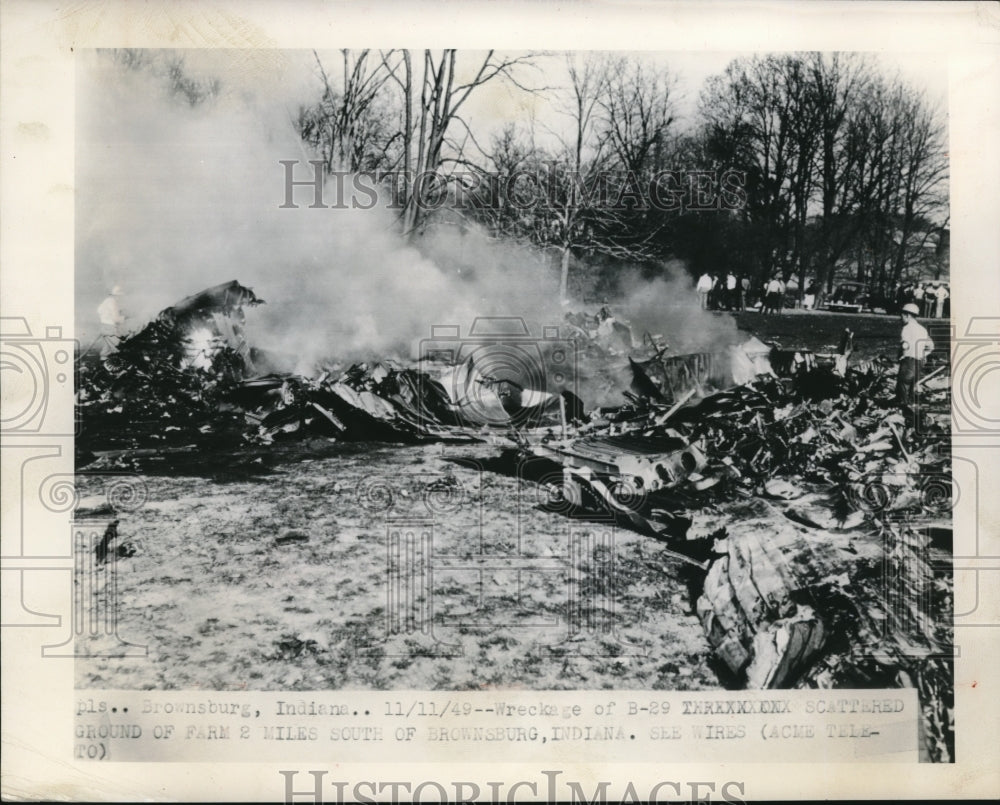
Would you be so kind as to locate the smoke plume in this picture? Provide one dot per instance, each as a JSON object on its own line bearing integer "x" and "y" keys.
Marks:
{"x": 175, "y": 196}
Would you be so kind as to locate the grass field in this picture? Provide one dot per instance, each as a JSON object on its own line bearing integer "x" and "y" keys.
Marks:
{"x": 874, "y": 333}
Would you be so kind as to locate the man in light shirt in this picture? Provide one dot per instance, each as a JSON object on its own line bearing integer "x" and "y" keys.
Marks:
{"x": 112, "y": 321}
{"x": 772, "y": 294}
{"x": 915, "y": 346}
{"x": 942, "y": 294}
{"x": 930, "y": 297}
{"x": 704, "y": 287}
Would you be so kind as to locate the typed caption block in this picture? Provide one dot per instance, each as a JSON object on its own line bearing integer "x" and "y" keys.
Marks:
{"x": 633, "y": 726}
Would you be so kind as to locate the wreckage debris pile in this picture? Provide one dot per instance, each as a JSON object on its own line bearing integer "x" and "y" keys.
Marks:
{"x": 379, "y": 402}
{"x": 148, "y": 394}
{"x": 148, "y": 399}
{"x": 766, "y": 430}
{"x": 170, "y": 382}
{"x": 843, "y": 579}
{"x": 188, "y": 378}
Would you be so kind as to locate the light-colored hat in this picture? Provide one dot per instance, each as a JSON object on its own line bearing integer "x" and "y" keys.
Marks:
{"x": 116, "y": 291}
{"x": 911, "y": 308}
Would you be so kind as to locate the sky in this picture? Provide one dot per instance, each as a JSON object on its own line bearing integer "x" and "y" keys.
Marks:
{"x": 693, "y": 68}
{"x": 292, "y": 77}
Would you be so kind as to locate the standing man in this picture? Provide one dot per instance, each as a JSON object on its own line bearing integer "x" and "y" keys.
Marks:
{"x": 744, "y": 291}
{"x": 902, "y": 295}
{"x": 112, "y": 322}
{"x": 809, "y": 300}
{"x": 731, "y": 296}
{"x": 792, "y": 290}
{"x": 942, "y": 294}
{"x": 930, "y": 298}
{"x": 915, "y": 346}
{"x": 918, "y": 296}
{"x": 771, "y": 295}
{"x": 704, "y": 287}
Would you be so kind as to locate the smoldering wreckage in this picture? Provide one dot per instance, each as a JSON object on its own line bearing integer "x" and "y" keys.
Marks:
{"x": 834, "y": 570}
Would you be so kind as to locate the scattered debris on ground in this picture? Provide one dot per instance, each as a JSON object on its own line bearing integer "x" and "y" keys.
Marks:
{"x": 840, "y": 578}
{"x": 852, "y": 484}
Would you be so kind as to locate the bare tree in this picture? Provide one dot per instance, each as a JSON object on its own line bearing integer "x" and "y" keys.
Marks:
{"x": 837, "y": 80}
{"x": 618, "y": 114}
{"x": 584, "y": 194}
{"x": 438, "y": 134}
{"x": 872, "y": 146}
{"x": 637, "y": 112}
{"x": 838, "y": 161}
{"x": 803, "y": 126}
{"x": 924, "y": 169}
{"x": 512, "y": 153}
{"x": 897, "y": 162}
{"x": 578, "y": 167}
{"x": 351, "y": 126}
{"x": 761, "y": 119}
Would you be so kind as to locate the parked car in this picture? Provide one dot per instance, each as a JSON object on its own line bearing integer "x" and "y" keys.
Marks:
{"x": 849, "y": 297}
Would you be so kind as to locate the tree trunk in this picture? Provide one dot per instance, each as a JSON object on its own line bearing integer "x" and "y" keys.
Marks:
{"x": 564, "y": 276}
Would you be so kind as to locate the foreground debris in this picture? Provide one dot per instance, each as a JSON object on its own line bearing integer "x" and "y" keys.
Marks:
{"x": 839, "y": 573}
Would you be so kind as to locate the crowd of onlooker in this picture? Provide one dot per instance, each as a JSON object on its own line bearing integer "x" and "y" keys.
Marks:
{"x": 932, "y": 299}
{"x": 731, "y": 292}
{"x": 723, "y": 291}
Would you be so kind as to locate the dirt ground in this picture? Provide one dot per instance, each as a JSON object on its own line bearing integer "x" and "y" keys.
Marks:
{"x": 402, "y": 567}
{"x": 280, "y": 582}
